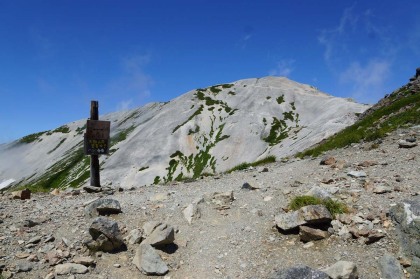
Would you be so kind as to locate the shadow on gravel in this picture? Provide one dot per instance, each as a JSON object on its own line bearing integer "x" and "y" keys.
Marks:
{"x": 168, "y": 248}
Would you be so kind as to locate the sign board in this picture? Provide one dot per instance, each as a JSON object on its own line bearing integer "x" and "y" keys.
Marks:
{"x": 97, "y": 137}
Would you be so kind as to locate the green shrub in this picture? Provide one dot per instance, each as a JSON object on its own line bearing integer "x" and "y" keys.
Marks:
{"x": 244, "y": 165}
{"x": 334, "y": 207}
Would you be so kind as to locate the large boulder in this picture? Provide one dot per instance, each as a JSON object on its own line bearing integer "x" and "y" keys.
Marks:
{"x": 106, "y": 236}
{"x": 103, "y": 207}
{"x": 22, "y": 194}
{"x": 307, "y": 215}
{"x": 299, "y": 272}
{"x": 148, "y": 261}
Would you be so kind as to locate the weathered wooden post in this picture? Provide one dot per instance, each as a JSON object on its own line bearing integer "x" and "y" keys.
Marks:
{"x": 96, "y": 141}
{"x": 95, "y": 179}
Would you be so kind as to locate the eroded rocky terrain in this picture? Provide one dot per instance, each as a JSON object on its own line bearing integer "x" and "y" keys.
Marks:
{"x": 228, "y": 235}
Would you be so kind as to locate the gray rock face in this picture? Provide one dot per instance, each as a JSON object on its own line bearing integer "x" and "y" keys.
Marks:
{"x": 161, "y": 234}
{"x": 70, "y": 268}
{"x": 311, "y": 214}
{"x": 105, "y": 234}
{"x": 342, "y": 270}
{"x": 406, "y": 215}
{"x": 299, "y": 272}
{"x": 390, "y": 268}
{"x": 148, "y": 261}
{"x": 103, "y": 207}
{"x": 318, "y": 192}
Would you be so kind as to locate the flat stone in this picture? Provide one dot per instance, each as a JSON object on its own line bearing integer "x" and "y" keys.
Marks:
{"x": 357, "y": 174}
{"x": 191, "y": 213}
{"x": 148, "y": 261}
{"x": 83, "y": 260}
{"x": 70, "y": 268}
{"x": 311, "y": 214}
{"x": 134, "y": 237}
{"x": 390, "y": 268}
{"x": 342, "y": 270}
{"x": 299, "y": 272}
{"x": 307, "y": 234}
{"x": 222, "y": 199}
{"x": 92, "y": 189}
{"x": 103, "y": 207}
{"x": 161, "y": 235}
{"x": 406, "y": 144}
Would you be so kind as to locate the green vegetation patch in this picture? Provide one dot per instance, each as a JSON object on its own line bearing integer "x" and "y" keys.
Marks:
{"x": 80, "y": 130}
{"x": 72, "y": 170}
{"x": 402, "y": 112}
{"x": 197, "y": 112}
{"x": 121, "y": 136}
{"x": 31, "y": 138}
{"x": 334, "y": 207}
{"x": 143, "y": 168}
{"x": 58, "y": 145}
{"x": 280, "y": 99}
{"x": 278, "y": 132}
{"x": 244, "y": 166}
{"x": 62, "y": 129}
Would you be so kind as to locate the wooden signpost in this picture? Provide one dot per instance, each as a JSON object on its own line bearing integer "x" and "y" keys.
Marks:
{"x": 96, "y": 141}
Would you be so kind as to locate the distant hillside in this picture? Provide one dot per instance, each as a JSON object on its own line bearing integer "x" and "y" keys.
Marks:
{"x": 204, "y": 131}
{"x": 399, "y": 109}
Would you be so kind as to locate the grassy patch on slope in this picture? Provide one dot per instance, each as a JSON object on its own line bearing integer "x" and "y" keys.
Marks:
{"x": 244, "y": 166}
{"x": 402, "y": 112}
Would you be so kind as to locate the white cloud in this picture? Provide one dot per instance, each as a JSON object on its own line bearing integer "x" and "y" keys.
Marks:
{"x": 284, "y": 68}
{"x": 124, "y": 105}
{"x": 366, "y": 81}
{"x": 134, "y": 84}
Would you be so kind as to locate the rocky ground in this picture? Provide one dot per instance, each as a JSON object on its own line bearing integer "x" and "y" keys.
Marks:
{"x": 228, "y": 237}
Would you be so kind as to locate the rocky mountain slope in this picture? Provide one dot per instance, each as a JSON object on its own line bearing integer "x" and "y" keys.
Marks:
{"x": 203, "y": 131}
{"x": 242, "y": 224}
{"x": 227, "y": 226}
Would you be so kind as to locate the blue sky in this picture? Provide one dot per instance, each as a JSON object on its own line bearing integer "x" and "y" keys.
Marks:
{"x": 56, "y": 56}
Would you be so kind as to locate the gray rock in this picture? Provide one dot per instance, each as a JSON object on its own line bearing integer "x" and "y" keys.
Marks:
{"x": 318, "y": 192}
{"x": 161, "y": 235}
{"x": 23, "y": 267}
{"x": 92, "y": 189}
{"x": 406, "y": 216}
{"x": 34, "y": 240}
{"x": 222, "y": 199}
{"x": 22, "y": 194}
{"x": 134, "y": 237}
{"x": 70, "y": 268}
{"x": 299, "y": 272}
{"x": 342, "y": 270}
{"x": 105, "y": 234}
{"x": 406, "y": 144}
{"x": 382, "y": 189}
{"x": 86, "y": 261}
{"x": 390, "y": 268}
{"x": 103, "y": 207}
{"x": 357, "y": 174}
{"x": 191, "y": 213}
{"x": 307, "y": 234}
{"x": 148, "y": 261}
{"x": 311, "y": 214}
{"x": 247, "y": 186}
{"x": 327, "y": 160}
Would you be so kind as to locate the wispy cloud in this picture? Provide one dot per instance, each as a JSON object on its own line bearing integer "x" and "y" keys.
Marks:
{"x": 284, "y": 68}
{"x": 366, "y": 81}
{"x": 134, "y": 84}
{"x": 248, "y": 33}
{"x": 361, "y": 65}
